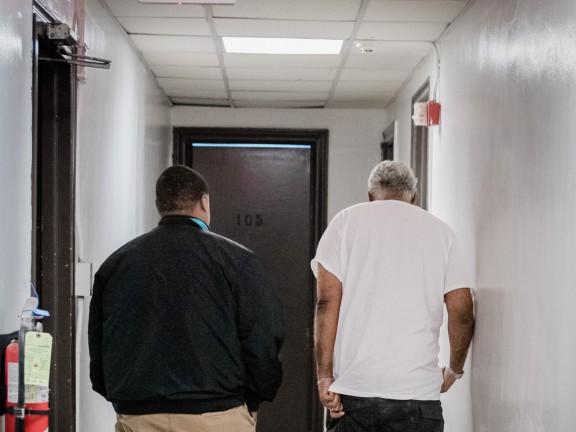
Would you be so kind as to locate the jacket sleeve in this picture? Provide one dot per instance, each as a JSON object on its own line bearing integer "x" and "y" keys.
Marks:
{"x": 261, "y": 332}
{"x": 95, "y": 337}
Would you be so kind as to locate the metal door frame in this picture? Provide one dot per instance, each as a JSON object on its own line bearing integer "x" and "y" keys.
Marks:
{"x": 420, "y": 149}
{"x": 53, "y": 201}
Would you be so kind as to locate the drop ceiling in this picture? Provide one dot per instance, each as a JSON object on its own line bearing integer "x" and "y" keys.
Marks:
{"x": 183, "y": 47}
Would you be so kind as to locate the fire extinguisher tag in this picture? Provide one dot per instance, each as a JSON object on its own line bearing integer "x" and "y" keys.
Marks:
{"x": 37, "y": 353}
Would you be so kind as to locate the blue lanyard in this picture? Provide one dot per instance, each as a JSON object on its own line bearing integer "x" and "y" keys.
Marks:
{"x": 201, "y": 223}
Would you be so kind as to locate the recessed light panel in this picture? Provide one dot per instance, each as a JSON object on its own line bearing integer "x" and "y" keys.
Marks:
{"x": 248, "y": 45}
{"x": 198, "y": 2}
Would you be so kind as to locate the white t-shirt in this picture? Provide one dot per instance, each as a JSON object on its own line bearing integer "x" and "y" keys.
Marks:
{"x": 395, "y": 262}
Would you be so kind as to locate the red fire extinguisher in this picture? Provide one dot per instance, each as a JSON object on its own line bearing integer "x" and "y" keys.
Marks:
{"x": 36, "y": 397}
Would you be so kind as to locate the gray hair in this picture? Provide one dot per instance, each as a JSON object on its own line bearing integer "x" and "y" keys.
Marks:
{"x": 392, "y": 177}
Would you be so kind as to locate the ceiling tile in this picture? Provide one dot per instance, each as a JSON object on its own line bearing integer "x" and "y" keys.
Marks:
{"x": 353, "y": 94}
{"x": 362, "y": 96}
{"x": 134, "y": 9}
{"x": 371, "y": 61}
{"x": 290, "y": 74}
{"x": 279, "y": 104}
{"x": 187, "y": 72}
{"x": 283, "y": 28}
{"x": 171, "y": 84}
{"x": 163, "y": 58}
{"x": 166, "y": 26}
{"x": 282, "y": 86}
{"x": 281, "y": 61}
{"x": 359, "y": 103}
{"x": 368, "y": 86}
{"x": 414, "y": 11}
{"x": 318, "y": 10}
{"x": 197, "y": 101}
{"x": 395, "y": 31}
{"x": 287, "y": 96}
{"x": 174, "y": 43}
{"x": 374, "y": 75}
{"x": 196, "y": 94}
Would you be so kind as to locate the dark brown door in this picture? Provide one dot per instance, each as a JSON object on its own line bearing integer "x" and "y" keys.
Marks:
{"x": 263, "y": 196}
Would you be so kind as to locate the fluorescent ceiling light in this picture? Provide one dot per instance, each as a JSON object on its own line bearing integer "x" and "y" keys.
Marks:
{"x": 201, "y": 2}
{"x": 248, "y": 45}
{"x": 231, "y": 145}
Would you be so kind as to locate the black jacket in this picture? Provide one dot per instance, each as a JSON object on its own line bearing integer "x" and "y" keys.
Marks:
{"x": 184, "y": 321}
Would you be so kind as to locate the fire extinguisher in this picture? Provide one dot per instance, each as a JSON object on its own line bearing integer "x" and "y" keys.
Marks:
{"x": 27, "y": 404}
{"x": 36, "y": 397}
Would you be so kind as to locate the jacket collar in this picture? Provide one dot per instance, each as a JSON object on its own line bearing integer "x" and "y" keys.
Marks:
{"x": 182, "y": 220}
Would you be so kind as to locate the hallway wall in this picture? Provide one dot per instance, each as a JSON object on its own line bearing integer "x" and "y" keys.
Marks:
{"x": 353, "y": 147}
{"x": 15, "y": 160}
{"x": 503, "y": 176}
{"x": 124, "y": 143}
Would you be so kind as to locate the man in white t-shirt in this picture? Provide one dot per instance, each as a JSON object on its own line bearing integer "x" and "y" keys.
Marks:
{"x": 385, "y": 270}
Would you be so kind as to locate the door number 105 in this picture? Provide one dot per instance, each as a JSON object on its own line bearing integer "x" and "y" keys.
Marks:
{"x": 249, "y": 220}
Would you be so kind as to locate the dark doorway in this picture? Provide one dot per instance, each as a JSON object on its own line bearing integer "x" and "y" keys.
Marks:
{"x": 267, "y": 190}
{"x": 387, "y": 144}
{"x": 54, "y": 107}
{"x": 419, "y": 153}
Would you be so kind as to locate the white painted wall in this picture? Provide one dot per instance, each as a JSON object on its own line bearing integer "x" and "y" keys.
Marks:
{"x": 124, "y": 143}
{"x": 503, "y": 176}
{"x": 353, "y": 148}
{"x": 15, "y": 160}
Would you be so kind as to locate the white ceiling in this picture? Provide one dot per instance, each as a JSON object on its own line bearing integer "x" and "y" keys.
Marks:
{"x": 183, "y": 47}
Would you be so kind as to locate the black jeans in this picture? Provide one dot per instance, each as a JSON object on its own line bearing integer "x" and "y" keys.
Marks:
{"x": 388, "y": 415}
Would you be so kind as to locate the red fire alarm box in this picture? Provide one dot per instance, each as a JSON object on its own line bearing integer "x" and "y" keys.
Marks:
{"x": 433, "y": 113}
{"x": 426, "y": 114}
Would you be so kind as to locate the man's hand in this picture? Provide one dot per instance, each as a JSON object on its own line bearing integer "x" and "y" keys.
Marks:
{"x": 254, "y": 415}
{"x": 448, "y": 381}
{"x": 330, "y": 399}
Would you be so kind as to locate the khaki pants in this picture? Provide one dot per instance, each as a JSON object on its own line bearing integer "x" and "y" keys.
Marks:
{"x": 234, "y": 420}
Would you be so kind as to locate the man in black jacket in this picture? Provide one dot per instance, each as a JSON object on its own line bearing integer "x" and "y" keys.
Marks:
{"x": 184, "y": 329}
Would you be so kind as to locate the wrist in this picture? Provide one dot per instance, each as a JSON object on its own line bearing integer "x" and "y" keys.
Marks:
{"x": 324, "y": 379}
{"x": 455, "y": 375}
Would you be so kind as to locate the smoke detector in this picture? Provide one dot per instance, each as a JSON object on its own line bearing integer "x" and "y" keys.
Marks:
{"x": 366, "y": 47}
